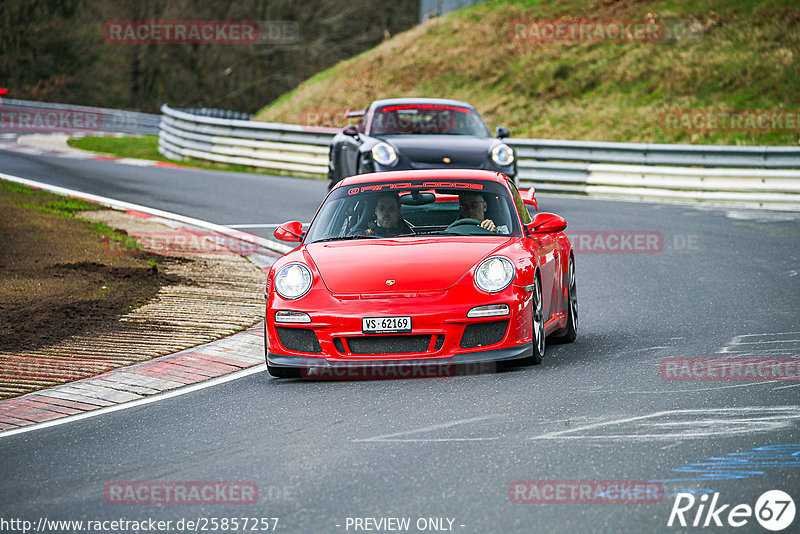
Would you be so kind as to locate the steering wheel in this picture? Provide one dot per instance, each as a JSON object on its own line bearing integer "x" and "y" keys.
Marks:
{"x": 468, "y": 227}
{"x": 464, "y": 222}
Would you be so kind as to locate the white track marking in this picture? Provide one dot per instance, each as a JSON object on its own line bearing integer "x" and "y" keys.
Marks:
{"x": 786, "y": 387}
{"x": 699, "y": 423}
{"x": 668, "y": 425}
{"x": 133, "y": 404}
{"x": 772, "y": 334}
{"x": 122, "y": 205}
{"x": 392, "y": 437}
{"x": 763, "y": 345}
{"x": 762, "y": 217}
{"x": 749, "y": 384}
{"x": 768, "y": 342}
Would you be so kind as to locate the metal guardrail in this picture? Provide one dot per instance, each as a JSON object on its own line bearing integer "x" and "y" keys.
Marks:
{"x": 218, "y": 113}
{"x": 25, "y": 116}
{"x": 759, "y": 188}
{"x": 282, "y": 147}
{"x": 772, "y": 157}
{"x": 758, "y": 176}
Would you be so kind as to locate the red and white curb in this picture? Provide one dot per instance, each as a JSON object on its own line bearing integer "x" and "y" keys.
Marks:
{"x": 175, "y": 374}
{"x": 242, "y": 351}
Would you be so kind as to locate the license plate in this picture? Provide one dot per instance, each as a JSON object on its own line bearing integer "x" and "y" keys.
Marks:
{"x": 376, "y": 325}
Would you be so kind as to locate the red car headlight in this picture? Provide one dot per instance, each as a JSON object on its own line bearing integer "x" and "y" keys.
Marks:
{"x": 494, "y": 274}
{"x": 293, "y": 281}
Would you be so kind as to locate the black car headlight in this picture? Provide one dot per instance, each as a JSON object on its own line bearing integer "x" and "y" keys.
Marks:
{"x": 503, "y": 154}
{"x": 385, "y": 154}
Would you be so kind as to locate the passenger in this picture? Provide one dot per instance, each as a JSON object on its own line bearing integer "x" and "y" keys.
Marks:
{"x": 388, "y": 221}
{"x": 473, "y": 206}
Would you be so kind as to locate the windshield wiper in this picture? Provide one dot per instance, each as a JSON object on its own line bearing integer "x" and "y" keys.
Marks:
{"x": 432, "y": 133}
{"x": 412, "y": 133}
{"x": 345, "y": 237}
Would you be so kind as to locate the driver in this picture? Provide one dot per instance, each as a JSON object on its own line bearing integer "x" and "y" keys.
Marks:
{"x": 473, "y": 206}
{"x": 388, "y": 221}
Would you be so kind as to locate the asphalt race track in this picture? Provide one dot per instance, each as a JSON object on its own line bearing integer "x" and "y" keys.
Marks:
{"x": 708, "y": 282}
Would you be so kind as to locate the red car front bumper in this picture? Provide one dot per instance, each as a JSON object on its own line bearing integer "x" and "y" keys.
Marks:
{"x": 441, "y": 330}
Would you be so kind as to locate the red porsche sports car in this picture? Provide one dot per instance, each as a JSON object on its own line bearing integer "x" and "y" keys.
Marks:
{"x": 420, "y": 268}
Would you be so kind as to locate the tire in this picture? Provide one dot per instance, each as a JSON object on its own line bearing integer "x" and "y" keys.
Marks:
{"x": 538, "y": 325}
{"x": 538, "y": 341}
{"x": 570, "y": 332}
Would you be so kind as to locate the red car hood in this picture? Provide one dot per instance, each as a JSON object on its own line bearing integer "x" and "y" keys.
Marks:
{"x": 415, "y": 264}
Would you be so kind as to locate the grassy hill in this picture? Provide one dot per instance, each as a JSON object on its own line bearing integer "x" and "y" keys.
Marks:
{"x": 722, "y": 55}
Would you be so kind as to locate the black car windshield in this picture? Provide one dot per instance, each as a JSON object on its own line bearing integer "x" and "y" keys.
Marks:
{"x": 412, "y": 208}
{"x": 434, "y": 119}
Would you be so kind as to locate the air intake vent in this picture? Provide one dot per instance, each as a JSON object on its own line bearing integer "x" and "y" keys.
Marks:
{"x": 337, "y": 342}
{"x": 482, "y": 334}
{"x": 299, "y": 339}
{"x": 388, "y": 344}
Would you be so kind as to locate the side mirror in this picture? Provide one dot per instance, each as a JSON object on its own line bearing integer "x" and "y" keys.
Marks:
{"x": 546, "y": 223}
{"x": 350, "y": 129}
{"x": 529, "y": 198}
{"x": 501, "y": 132}
{"x": 289, "y": 231}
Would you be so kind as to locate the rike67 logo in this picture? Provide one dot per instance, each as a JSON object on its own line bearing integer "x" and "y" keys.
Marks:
{"x": 774, "y": 511}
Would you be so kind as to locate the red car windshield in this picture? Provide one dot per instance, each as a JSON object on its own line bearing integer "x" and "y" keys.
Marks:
{"x": 427, "y": 119}
{"x": 415, "y": 208}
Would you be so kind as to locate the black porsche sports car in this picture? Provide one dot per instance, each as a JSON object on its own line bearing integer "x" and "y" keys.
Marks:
{"x": 418, "y": 133}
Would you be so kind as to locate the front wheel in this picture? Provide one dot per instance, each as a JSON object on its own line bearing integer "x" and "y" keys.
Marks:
{"x": 537, "y": 354}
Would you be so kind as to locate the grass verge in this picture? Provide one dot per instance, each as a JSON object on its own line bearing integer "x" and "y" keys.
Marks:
{"x": 729, "y": 55}
{"x": 58, "y": 274}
